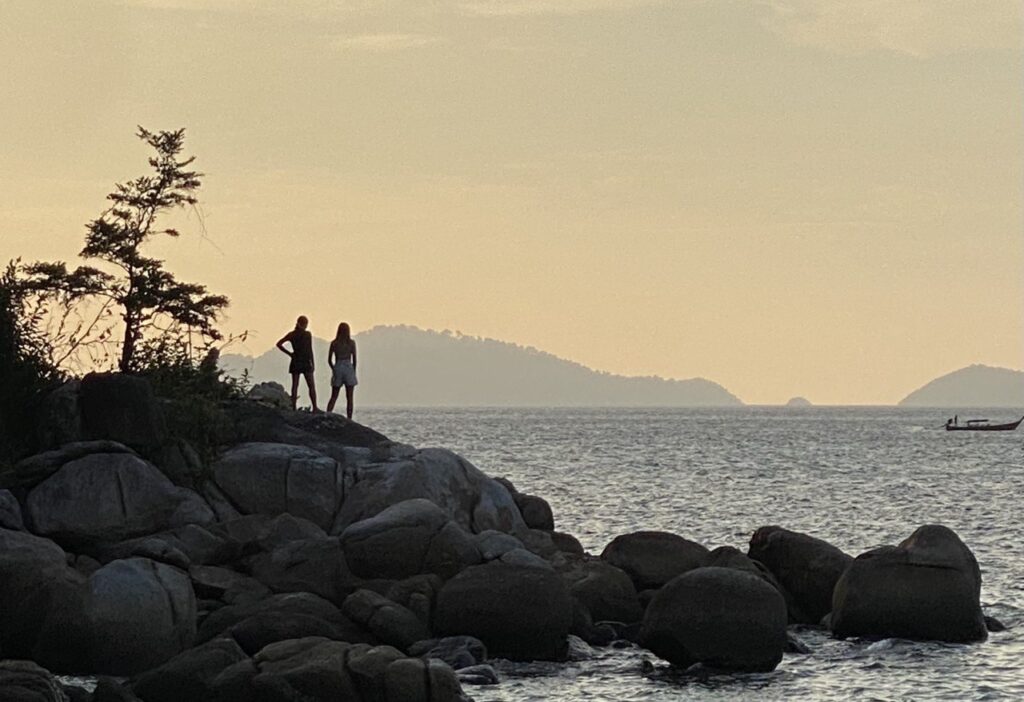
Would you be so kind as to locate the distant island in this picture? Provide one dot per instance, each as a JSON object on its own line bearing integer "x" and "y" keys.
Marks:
{"x": 408, "y": 366}
{"x": 799, "y": 402}
{"x": 974, "y": 386}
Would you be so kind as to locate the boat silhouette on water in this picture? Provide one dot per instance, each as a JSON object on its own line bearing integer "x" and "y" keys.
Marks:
{"x": 982, "y": 425}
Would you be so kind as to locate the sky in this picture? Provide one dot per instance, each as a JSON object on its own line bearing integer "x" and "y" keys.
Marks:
{"x": 788, "y": 197}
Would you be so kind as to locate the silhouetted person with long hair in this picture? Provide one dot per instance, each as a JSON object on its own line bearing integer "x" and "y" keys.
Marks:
{"x": 341, "y": 357}
{"x": 302, "y": 359}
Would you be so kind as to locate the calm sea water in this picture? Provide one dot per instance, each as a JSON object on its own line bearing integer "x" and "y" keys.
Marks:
{"x": 857, "y": 477}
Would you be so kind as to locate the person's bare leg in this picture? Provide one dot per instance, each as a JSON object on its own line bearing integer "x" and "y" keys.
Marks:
{"x": 349, "y": 392}
{"x": 334, "y": 398}
{"x": 295, "y": 389}
{"x": 311, "y": 384}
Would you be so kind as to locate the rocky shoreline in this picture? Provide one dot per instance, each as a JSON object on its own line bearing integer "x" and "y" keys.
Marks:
{"x": 312, "y": 558}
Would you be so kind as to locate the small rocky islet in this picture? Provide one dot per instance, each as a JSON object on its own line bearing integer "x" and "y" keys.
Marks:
{"x": 311, "y": 558}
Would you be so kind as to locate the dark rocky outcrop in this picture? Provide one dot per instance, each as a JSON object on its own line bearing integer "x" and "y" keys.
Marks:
{"x": 121, "y": 408}
{"x": 928, "y": 588}
{"x": 807, "y": 567}
{"x": 652, "y": 558}
{"x": 606, "y": 591}
{"x": 519, "y": 612}
{"x": 720, "y": 617}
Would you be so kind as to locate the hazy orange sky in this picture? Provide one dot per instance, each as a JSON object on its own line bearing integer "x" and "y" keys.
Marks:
{"x": 789, "y": 197}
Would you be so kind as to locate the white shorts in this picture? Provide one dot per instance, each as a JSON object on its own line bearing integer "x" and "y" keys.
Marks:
{"x": 344, "y": 374}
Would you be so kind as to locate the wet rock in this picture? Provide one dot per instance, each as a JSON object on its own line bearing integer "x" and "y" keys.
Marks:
{"x": 994, "y": 625}
{"x": 652, "y": 558}
{"x": 567, "y": 543}
{"x": 466, "y": 495}
{"x": 926, "y": 588}
{"x": 720, "y": 617}
{"x": 272, "y": 479}
{"x": 808, "y": 568}
{"x": 457, "y": 651}
{"x": 24, "y": 681}
{"x": 520, "y": 613}
{"x": 478, "y": 675}
{"x": 111, "y": 497}
{"x": 189, "y": 676}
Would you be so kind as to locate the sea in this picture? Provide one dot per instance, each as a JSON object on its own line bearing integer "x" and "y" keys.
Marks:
{"x": 858, "y": 477}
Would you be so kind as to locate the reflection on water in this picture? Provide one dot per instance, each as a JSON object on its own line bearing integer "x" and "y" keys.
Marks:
{"x": 857, "y": 477}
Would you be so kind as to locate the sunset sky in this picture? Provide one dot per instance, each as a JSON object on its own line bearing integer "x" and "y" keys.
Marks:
{"x": 788, "y": 197}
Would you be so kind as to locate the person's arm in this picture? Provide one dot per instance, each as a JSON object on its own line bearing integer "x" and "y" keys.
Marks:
{"x": 353, "y": 355}
{"x": 280, "y": 344}
{"x": 331, "y": 356}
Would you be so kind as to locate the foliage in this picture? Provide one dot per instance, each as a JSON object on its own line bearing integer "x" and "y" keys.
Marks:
{"x": 152, "y": 302}
{"x": 193, "y": 389}
{"x": 26, "y": 372}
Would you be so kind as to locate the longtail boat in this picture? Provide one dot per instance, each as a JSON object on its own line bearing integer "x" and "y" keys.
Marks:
{"x": 983, "y": 425}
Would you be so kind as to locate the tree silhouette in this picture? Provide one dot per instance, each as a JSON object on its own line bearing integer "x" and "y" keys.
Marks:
{"x": 150, "y": 298}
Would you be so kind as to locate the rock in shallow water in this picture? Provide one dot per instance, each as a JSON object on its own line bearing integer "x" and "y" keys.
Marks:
{"x": 652, "y": 558}
{"x": 806, "y": 567}
{"x": 519, "y": 612}
{"x": 926, "y": 588}
{"x": 720, "y": 617}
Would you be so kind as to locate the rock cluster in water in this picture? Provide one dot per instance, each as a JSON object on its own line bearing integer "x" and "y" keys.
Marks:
{"x": 313, "y": 558}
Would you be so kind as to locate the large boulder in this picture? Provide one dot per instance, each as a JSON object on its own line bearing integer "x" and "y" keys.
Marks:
{"x": 519, "y": 612}
{"x": 121, "y": 408}
{"x": 805, "y": 566}
{"x": 140, "y": 614}
{"x": 293, "y": 604}
{"x": 652, "y": 558}
{"x": 723, "y": 618}
{"x": 24, "y": 681}
{"x": 37, "y": 588}
{"x": 110, "y": 497}
{"x": 926, "y": 588}
{"x": 388, "y": 621}
{"x": 30, "y": 471}
{"x": 271, "y": 479}
{"x": 315, "y": 668}
{"x": 406, "y": 539}
{"x": 465, "y": 494}
{"x": 189, "y": 676}
{"x": 317, "y": 566}
{"x": 606, "y": 591}
{"x": 60, "y": 417}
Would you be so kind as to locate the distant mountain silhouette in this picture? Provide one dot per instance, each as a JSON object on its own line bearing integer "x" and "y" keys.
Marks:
{"x": 974, "y": 386}
{"x": 798, "y": 402}
{"x": 408, "y": 366}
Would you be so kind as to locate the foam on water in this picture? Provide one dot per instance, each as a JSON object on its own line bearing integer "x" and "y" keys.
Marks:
{"x": 857, "y": 477}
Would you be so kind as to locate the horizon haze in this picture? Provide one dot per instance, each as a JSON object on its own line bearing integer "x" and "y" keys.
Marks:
{"x": 790, "y": 198}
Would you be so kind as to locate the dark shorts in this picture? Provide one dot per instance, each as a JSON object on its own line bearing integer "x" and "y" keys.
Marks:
{"x": 300, "y": 365}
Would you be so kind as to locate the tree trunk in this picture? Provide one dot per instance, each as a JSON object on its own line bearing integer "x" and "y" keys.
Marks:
{"x": 128, "y": 346}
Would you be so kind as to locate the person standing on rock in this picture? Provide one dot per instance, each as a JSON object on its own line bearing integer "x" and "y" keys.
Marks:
{"x": 341, "y": 357}
{"x": 302, "y": 359}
